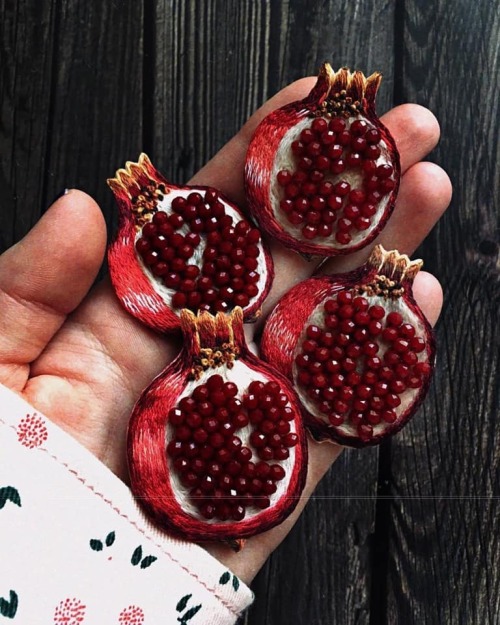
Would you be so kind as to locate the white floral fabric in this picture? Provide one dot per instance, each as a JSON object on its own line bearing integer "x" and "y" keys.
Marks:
{"x": 75, "y": 549}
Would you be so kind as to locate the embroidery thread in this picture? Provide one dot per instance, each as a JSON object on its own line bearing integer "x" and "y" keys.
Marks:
{"x": 182, "y": 605}
{"x": 133, "y": 615}
{"x": 70, "y": 611}
{"x": 9, "y": 493}
{"x": 137, "y": 558}
{"x": 9, "y": 608}
{"x": 32, "y": 431}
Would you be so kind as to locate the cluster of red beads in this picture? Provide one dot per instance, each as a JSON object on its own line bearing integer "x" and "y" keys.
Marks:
{"x": 358, "y": 364}
{"x": 270, "y": 414}
{"x": 228, "y": 273}
{"x": 316, "y": 198}
{"x": 212, "y": 461}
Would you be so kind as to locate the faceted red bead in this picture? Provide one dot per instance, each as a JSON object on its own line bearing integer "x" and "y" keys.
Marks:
{"x": 319, "y": 125}
{"x": 372, "y": 135}
{"x": 353, "y": 159}
{"x": 385, "y": 170}
{"x": 344, "y": 137}
{"x": 343, "y": 238}
{"x": 371, "y": 152}
{"x": 376, "y": 312}
{"x": 358, "y": 144}
{"x": 322, "y": 163}
{"x": 362, "y": 223}
{"x": 358, "y": 128}
{"x": 338, "y": 166}
{"x": 352, "y": 212}
{"x": 313, "y": 149}
{"x": 307, "y": 135}
{"x": 337, "y": 124}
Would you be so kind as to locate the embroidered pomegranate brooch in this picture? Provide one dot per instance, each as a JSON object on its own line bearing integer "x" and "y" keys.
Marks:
{"x": 182, "y": 247}
{"x": 216, "y": 445}
{"x": 322, "y": 173}
{"x": 357, "y": 348}
{"x": 217, "y": 449}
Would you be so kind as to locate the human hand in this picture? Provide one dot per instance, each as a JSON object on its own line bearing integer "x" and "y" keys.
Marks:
{"x": 81, "y": 359}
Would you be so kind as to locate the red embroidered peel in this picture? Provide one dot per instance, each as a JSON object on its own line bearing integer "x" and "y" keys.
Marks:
{"x": 357, "y": 347}
{"x": 322, "y": 173}
{"x": 216, "y": 445}
{"x": 182, "y": 247}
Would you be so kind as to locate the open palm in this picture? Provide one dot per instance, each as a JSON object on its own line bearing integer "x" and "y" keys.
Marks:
{"x": 78, "y": 357}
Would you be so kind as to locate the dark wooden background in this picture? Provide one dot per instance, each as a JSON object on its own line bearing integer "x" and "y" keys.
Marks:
{"x": 408, "y": 533}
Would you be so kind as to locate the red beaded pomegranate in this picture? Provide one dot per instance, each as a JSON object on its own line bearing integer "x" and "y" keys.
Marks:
{"x": 182, "y": 247}
{"x": 357, "y": 347}
{"x": 322, "y": 173}
{"x": 216, "y": 445}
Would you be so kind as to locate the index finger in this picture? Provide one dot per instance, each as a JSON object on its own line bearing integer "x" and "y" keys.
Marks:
{"x": 414, "y": 128}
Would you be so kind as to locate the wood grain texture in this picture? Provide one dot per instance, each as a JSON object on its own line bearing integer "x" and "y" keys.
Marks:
{"x": 322, "y": 572}
{"x": 26, "y": 57}
{"x": 96, "y": 121}
{"x": 206, "y": 77}
{"x": 444, "y": 472}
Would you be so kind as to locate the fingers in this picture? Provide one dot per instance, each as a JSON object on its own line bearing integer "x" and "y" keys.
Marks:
{"x": 44, "y": 277}
{"x": 99, "y": 363}
{"x": 225, "y": 170}
{"x": 429, "y": 296}
{"x": 424, "y": 195}
{"x": 416, "y": 132}
{"x": 414, "y": 128}
{"x": 247, "y": 563}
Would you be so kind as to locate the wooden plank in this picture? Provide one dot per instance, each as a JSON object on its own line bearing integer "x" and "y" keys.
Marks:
{"x": 215, "y": 63}
{"x": 26, "y": 36}
{"x": 444, "y": 526}
{"x": 210, "y": 65}
{"x": 322, "y": 572}
{"x": 206, "y": 78}
{"x": 96, "y": 122}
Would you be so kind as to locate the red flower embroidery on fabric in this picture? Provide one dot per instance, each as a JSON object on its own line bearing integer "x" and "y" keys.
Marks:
{"x": 69, "y": 612}
{"x": 131, "y": 616}
{"x": 32, "y": 431}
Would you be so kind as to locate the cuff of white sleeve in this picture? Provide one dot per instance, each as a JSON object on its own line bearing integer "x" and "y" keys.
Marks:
{"x": 75, "y": 544}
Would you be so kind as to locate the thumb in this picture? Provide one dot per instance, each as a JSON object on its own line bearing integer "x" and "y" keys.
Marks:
{"x": 44, "y": 277}
{"x": 247, "y": 562}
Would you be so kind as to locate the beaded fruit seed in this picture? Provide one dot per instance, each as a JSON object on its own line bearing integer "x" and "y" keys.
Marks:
{"x": 322, "y": 173}
{"x": 216, "y": 445}
{"x": 183, "y": 247}
{"x": 357, "y": 347}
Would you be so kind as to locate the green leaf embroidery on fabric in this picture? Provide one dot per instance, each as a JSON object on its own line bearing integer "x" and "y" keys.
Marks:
{"x": 9, "y": 608}
{"x": 183, "y": 603}
{"x": 96, "y": 544}
{"x": 137, "y": 556}
{"x": 189, "y": 614}
{"x": 9, "y": 493}
{"x": 110, "y": 539}
{"x": 236, "y": 583}
{"x": 148, "y": 561}
{"x": 225, "y": 577}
